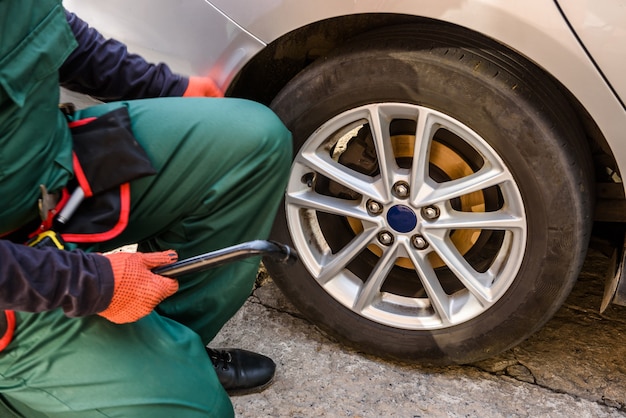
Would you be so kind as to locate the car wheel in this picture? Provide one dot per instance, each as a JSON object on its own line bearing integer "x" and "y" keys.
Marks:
{"x": 439, "y": 198}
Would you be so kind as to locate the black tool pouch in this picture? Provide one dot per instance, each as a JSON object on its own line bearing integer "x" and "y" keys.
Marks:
{"x": 106, "y": 158}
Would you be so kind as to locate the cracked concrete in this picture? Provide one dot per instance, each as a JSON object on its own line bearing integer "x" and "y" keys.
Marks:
{"x": 574, "y": 366}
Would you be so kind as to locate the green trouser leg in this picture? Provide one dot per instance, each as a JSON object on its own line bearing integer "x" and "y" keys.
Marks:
{"x": 89, "y": 367}
{"x": 222, "y": 168}
{"x": 220, "y": 178}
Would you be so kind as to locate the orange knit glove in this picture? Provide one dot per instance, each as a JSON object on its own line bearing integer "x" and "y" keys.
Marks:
{"x": 202, "y": 87}
{"x": 137, "y": 290}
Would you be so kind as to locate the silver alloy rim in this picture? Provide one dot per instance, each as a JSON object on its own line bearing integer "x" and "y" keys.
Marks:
{"x": 428, "y": 220}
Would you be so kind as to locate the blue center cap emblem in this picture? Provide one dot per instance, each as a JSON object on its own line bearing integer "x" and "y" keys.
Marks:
{"x": 401, "y": 218}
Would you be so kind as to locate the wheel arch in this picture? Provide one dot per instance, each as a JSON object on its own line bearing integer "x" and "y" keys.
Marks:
{"x": 273, "y": 67}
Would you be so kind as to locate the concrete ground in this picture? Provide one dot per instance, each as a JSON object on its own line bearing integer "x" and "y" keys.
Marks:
{"x": 574, "y": 367}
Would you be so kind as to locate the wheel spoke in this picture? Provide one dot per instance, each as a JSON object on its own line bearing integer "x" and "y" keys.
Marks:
{"x": 333, "y": 264}
{"x": 370, "y": 291}
{"x": 439, "y": 300}
{"x": 470, "y": 278}
{"x": 477, "y": 220}
{"x": 423, "y": 136}
{"x": 431, "y": 193}
{"x": 379, "y": 124}
{"x": 360, "y": 183}
{"x": 310, "y": 200}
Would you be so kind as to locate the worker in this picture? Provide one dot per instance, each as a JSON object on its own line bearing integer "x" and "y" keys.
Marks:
{"x": 89, "y": 333}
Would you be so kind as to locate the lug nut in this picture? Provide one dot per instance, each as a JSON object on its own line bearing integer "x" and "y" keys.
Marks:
{"x": 374, "y": 208}
{"x": 401, "y": 189}
{"x": 419, "y": 242}
{"x": 431, "y": 212}
{"x": 385, "y": 238}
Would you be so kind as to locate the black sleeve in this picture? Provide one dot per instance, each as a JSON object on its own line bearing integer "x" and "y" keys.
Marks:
{"x": 37, "y": 280}
{"x": 104, "y": 69}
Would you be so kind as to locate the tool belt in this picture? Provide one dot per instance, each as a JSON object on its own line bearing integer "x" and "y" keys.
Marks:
{"x": 96, "y": 203}
{"x": 106, "y": 157}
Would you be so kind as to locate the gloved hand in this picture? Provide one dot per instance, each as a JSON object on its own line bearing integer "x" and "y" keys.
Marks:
{"x": 202, "y": 87}
{"x": 137, "y": 290}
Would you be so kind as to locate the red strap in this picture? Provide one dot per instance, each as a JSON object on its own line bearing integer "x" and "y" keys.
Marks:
{"x": 121, "y": 224}
{"x": 8, "y": 334}
{"x": 83, "y": 183}
{"x": 81, "y": 122}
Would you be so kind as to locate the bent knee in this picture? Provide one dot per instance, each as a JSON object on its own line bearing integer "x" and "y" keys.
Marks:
{"x": 274, "y": 139}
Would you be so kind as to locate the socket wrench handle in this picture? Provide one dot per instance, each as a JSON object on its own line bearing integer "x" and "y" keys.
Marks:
{"x": 276, "y": 251}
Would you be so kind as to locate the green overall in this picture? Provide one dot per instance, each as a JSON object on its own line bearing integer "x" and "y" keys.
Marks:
{"x": 222, "y": 165}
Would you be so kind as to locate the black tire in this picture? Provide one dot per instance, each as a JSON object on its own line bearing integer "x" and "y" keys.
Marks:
{"x": 524, "y": 120}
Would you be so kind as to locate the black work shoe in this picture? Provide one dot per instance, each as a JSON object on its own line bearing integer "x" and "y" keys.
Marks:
{"x": 240, "y": 371}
